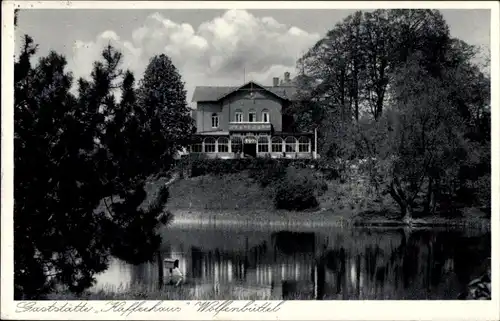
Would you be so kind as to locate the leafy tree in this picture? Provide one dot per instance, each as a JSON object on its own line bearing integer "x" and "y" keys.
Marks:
{"x": 348, "y": 72}
{"x": 306, "y": 112}
{"x": 379, "y": 42}
{"x": 41, "y": 102}
{"x": 426, "y": 139}
{"x": 393, "y": 85}
{"x": 162, "y": 107}
{"x": 57, "y": 235}
{"x": 359, "y": 55}
{"x": 424, "y": 134}
{"x": 81, "y": 165}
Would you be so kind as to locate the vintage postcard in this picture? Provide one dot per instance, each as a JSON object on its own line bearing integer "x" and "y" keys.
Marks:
{"x": 250, "y": 160}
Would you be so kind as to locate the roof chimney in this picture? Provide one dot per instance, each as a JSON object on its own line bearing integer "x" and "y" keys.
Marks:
{"x": 276, "y": 82}
{"x": 287, "y": 77}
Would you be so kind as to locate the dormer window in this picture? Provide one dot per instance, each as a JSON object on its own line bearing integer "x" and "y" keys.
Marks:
{"x": 238, "y": 116}
{"x": 252, "y": 116}
{"x": 265, "y": 116}
{"x": 215, "y": 120}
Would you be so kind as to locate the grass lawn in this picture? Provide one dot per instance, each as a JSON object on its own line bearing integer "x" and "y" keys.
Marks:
{"x": 235, "y": 198}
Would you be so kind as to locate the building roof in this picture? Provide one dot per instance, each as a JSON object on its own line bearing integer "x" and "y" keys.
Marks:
{"x": 215, "y": 93}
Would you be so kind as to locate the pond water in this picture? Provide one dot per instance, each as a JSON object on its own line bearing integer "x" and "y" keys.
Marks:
{"x": 317, "y": 263}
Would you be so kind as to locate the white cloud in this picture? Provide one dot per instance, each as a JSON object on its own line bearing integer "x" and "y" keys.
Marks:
{"x": 216, "y": 53}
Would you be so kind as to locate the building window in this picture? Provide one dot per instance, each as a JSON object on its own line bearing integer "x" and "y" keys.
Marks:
{"x": 263, "y": 145}
{"x": 277, "y": 145}
{"x": 290, "y": 143}
{"x": 209, "y": 145}
{"x": 265, "y": 116}
{"x": 215, "y": 121}
{"x": 236, "y": 144}
{"x": 238, "y": 116}
{"x": 223, "y": 145}
{"x": 196, "y": 148}
{"x": 304, "y": 144}
{"x": 252, "y": 116}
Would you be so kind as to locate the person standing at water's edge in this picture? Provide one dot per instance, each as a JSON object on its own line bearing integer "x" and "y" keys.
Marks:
{"x": 177, "y": 276}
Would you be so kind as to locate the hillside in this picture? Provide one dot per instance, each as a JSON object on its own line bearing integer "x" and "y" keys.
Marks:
{"x": 237, "y": 196}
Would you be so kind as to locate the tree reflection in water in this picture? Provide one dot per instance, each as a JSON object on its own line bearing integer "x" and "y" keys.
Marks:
{"x": 327, "y": 264}
{"x": 423, "y": 265}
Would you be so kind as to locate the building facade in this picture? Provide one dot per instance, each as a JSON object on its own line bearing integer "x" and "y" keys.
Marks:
{"x": 248, "y": 121}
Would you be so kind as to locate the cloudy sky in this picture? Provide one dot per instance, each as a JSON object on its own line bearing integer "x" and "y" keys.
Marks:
{"x": 209, "y": 47}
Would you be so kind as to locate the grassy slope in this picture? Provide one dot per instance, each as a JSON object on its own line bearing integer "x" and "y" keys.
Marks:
{"x": 237, "y": 191}
{"x": 236, "y": 196}
{"x": 228, "y": 192}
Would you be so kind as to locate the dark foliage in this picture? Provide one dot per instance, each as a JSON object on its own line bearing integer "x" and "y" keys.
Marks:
{"x": 268, "y": 175}
{"x": 81, "y": 165}
{"x": 393, "y": 87}
{"x": 294, "y": 196}
{"x": 296, "y": 191}
{"x": 256, "y": 166}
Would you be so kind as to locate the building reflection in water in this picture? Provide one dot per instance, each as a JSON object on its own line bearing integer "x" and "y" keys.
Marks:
{"x": 367, "y": 265}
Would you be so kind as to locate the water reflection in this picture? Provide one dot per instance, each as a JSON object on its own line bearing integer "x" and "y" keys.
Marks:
{"x": 319, "y": 264}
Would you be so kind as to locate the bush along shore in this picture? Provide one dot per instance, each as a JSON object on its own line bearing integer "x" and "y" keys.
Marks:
{"x": 298, "y": 192}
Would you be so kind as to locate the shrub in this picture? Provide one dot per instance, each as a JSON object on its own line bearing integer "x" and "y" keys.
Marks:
{"x": 293, "y": 184}
{"x": 293, "y": 197}
{"x": 323, "y": 187}
{"x": 267, "y": 175}
{"x": 296, "y": 191}
{"x": 332, "y": 174}
{"x": 200, "y": 166}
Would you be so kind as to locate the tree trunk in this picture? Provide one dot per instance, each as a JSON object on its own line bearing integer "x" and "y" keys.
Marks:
{"x": 356, "y": 109}
{"x": 433, "y": 203}
{"x": 405, "y": 203}
{"x": 407, "y": 214}
{"x": 435, "y": 196}
{"x": 398, "y": 195}
{"x": 428, "y": 200}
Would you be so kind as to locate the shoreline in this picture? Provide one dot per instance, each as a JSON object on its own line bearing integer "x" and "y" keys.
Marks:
{"x": 319, "y": 218}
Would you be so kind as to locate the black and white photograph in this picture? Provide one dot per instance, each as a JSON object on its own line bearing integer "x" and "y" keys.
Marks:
{"x": 251, "y": 154}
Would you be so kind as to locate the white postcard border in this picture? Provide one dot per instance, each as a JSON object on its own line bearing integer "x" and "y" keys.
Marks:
{"x": 291, "y": 310}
